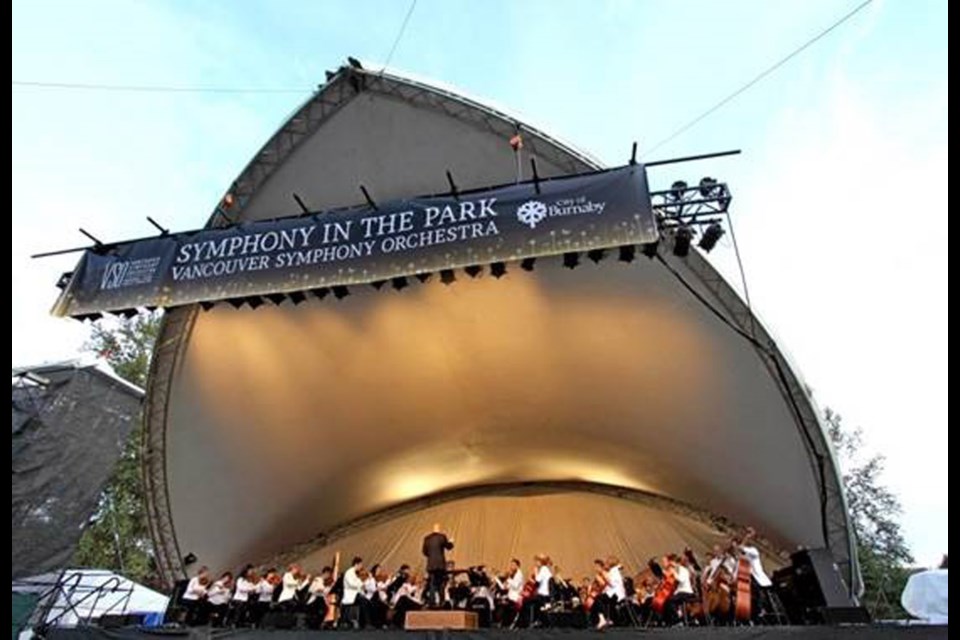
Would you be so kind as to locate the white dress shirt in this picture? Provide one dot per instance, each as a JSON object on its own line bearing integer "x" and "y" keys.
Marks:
{"x": 515, "y": 586}
{"x": 195, "y": 590}
{"x": 318, "y": 589}
{"x": 352, "y": 585}
{"x": 756, "y": 567}
{"x": 543, "y": 581}
{"x": 407, "y": 590}
{"x": 218, "y": 593}
{"x": 244, "y": 589}
{"x": 615, "y": 587}
{"x": 290, "y": 587}
{"x": 683, "y": 579}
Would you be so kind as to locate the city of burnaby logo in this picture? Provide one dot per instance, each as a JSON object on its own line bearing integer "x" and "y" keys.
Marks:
{"x": 531, "y": 213}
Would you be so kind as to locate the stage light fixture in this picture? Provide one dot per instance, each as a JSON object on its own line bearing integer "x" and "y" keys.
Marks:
{"x": 473, "y": 270}
{"x": 596, "y": 255}
{"x": 297, "y": 297}
{"x": 354, "y": 63}
{"x": 527, "y": 264}
{"x": 128, "y": 313}
{"x": 498, "y": 269}
{"x": 681, "y": 242}
{"x": 276, "y": 298}
{"x": 236, "y": 303}
{"x": 423, "y": 277}
{"x": 206, "y": 305}
{"x": 189, "y": 559}
{"x": 399, "y": 283}
{"x": 710, "y": 237}
{"x": 628, "y": 253}
{"x": 254, "y": 301}
{"x": 650, "y": 249}
{"x": 64, "y": 280}
{"x": 340, "y": 292}
{"x": 677, "y": 190}
{"x": 321, "y": 292}
{"x": 571, "y": 259}
{"x": 378, "y": 284}
{"x": 447, "y": 276}
{"x": 83, "y": 317}
{"x": 708, "y": 187}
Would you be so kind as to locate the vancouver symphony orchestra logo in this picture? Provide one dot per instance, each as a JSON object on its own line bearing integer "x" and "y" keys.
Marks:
{"x": 113, "y": 275}
{"x": 533, "y": 212}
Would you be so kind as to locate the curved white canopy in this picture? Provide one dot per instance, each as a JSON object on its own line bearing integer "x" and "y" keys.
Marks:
{"x": 273, "y": 427}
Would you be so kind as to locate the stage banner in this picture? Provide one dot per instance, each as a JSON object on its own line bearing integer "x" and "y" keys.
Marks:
{"x": 366, "y": 244}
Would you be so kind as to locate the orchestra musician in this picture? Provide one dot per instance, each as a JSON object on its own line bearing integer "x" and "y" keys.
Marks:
{"x": 194, "y": 598}
{"x": 407, "y": 598}
{"x": 683, "y": 593}
{"x": 512, "y": 585}
{"x": 760, "y": 583}
{"x": 292, "y": 582}
{"x": 352, "y": 586}
{"x": 218, "y": 597}
{"x": 244, "y": 597}
{"x": 614, "y": 591}
{"x": 537, "y": 591}
{"x": 317, "y": 604}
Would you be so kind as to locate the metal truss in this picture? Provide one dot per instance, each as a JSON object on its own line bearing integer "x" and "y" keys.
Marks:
{"x": 683, "y": 205}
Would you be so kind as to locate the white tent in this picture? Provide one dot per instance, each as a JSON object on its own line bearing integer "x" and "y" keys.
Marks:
{"x": 75, "y": 597}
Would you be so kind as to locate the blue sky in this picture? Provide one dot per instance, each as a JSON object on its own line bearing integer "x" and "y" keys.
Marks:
{"x": 838, "y": 201}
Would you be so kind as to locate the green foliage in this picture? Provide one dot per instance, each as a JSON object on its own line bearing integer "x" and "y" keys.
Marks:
{"x": 116, "y": 536}
{"x": 875, "y": 510}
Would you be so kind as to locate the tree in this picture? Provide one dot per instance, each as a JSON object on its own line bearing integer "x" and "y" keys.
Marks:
{"x": 875, "y": 511}
{"x": 116, "y": 536}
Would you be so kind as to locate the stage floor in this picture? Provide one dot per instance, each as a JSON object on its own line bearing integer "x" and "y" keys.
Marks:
{"x": 912, "y": 632}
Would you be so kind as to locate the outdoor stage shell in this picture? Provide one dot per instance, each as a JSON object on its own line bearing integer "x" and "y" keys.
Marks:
{"x": 603, "y": 409}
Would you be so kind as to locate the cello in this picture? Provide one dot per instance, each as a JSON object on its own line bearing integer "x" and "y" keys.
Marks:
{"x": 741, "y": 611}
{"x": 668, "y": 584}
{"x": 331, "y": 617}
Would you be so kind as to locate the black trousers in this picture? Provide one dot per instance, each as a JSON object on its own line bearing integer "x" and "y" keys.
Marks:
{"x": 404, "y": 604}
{"x": 602, "y": 605}
{"x": 435, "y": 588}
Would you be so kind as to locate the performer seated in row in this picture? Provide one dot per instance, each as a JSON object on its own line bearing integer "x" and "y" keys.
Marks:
{"x": 536, "y": 592}
{"x": 511, "y": 586}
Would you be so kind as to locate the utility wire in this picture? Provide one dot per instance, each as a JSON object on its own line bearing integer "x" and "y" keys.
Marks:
{"x": 146, "y": 88}
{"x": 760, "y": 77}
{"x": 396, "y": 42}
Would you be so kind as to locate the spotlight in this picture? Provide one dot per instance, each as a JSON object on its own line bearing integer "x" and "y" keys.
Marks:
{"x": 354, "y": 62}
{"x": 127, "y": 313}
{"x": 423, "y": 277}
{"x": 571, "y": 259}
{"x": 189, "y": 559}
{"x": 473, "y": 270}
{"x": 710, "y": 237}
{"x": 276, "y": 298}
{"x": 378, "y": 284}
{"x": 650, "y": 249}
{"x": 236, "y": 303}
{"x": 399, "y": 283}
{"x": 321, "y": 292}
{"x": 677, "y": 189}
{"x": 254, "y": 301}
{"x": 681, "y": 242}
{"x": 341, "y": 292}
{"x": 297, "y": 297}
{"x": 596, "y": 255}
{"x": 627, "y": 253}
{"x": 206, "y": 305}
{"x": 708, "y": 187}
{"x": 447, "y": 276}
{"x": 527, "y": 264}
{"x": 498, "y": 269}
{"x": 83, "y": 317}
{"x": 64, "y": 280}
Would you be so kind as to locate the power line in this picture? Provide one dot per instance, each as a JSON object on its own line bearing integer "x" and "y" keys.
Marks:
{"x": 760, "y": 77}
{"x": 145, "y": 88}
{"x": 403, "y": 28}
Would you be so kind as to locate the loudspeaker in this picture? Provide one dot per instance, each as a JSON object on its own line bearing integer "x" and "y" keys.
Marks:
{"x": 279, "y": 620}
{"x": 817, "y": 581}
{"x": 812, "y": 591}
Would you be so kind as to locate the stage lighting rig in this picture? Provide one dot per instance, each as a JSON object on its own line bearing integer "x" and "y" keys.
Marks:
{"x": 498, "y": 269}
{"x": 691, "y": 210}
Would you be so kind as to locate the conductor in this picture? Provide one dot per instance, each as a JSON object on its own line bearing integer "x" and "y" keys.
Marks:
{"x": 434, "y": 546}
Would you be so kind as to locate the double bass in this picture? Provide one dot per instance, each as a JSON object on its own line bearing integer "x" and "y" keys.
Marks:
{"x": 716, "y": 594}
{"x": 331, "y": 617}
{"x": 741, "y": 611}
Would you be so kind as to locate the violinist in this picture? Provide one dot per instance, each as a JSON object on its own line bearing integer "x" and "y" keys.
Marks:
{"x": 596, "y": 601}
{"x": 537, "y": 590}
{"x": 318, "y": 593}
{"x": 512, "y": 584}
{"x": 683, "y": 593}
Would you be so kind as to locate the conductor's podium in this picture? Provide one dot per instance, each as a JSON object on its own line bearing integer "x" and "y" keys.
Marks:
{"x": 439, "y": 620}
